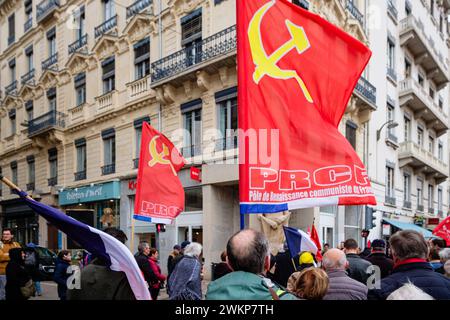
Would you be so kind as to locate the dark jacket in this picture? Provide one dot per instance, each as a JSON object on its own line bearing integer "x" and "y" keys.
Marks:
{"x": 60, "y": 277}
{"x": 171, "y": 263}
{"x": 383, "y": 262}
{"x": 221, "y": 269}
{"x": 16, "y": 275}
{"x": 420, "y": 274}
{"x": 185, "y": 281}
{"x": 99, "y": 282}
{"x": 342, "y": 287}
{"x": 358, "y": 268}
{"x": 147, "y": 271}
{"x": 283, "y": 268}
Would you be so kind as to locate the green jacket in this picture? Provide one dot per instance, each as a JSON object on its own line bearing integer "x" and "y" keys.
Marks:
{"x": 241, "y": 285}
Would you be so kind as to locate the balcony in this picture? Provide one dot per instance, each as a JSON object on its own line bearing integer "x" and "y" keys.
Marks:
{"x": 367, "y": 92}
{"x": 30, "y": 186}
{"x": 28, "y": 77}
{"x": 138, "y": 88}
{"x": 50, "y": 62}
{"x": 412, "y": 155}
{"x": 106, "y": 102}
{"x": 105, "y": 27}
{"x": 81, "y": 175}
{"x": 136, "y": 163}
{"x": 137, "y": 7}
{"x": 351, "y": 7}
{"x": 108, "y": 169}
{"x": 46, "y": 9}
{"x": 49, "y": 121}
{"x": 52, "y": 181}
{"x": 413, "y": 95}
{"x": 420, "y": 207}
{"x": 28, "y": 25}
{"x": 392, "y": 10}
{"x": 390, "y": 200}
{"x": 212, "y": 52}
{"x": 191, "y": 151}
{"x": 78, "y": 44}
{"x": 11, "y": 89}
{"x": 412, "y": 36}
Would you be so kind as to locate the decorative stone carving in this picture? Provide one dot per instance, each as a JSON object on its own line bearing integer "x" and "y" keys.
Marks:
{"x": 188, "y": 89}
{"x": 77, "y": 63}
{"x": 203, "y": 80}
{"x": 26, "y": 92}
{"x": 63, "y": 77}
{"x": 48, "y": 79}
{"x": 224, "y": 74}
{"x": 139, "y": 27}
{"x": 105, "y": 47}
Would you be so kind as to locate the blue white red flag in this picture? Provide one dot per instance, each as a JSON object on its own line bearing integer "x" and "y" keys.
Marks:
{"x": 97, "y": 242}
{"x": 299, "y": 241}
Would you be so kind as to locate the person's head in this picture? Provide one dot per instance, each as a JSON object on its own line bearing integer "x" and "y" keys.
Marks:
{"x": 326, "y": 246}
{"x": 144, "y": 248}
{"x": 17, "y": 255}
{"x": 7, "y": 235}
{"x": 378, "y": 246}
{"x": 193, "y": 249}
{"x": 223, "y": 256}
{"x": 447, "y": 268}
{"x": 153, "y": 253}
{"x": 437, "y": 243}
{"x": 350, "y": 246}
{"x": 65, "y": 255}
{"x": 409, "y": 292}
{"x": 312, "y": 284}
{"x": 116, "y": 233}
{"x": 248, "y": 250}
{"x": 408, "y": 244}
{"x": 434, "y": 255}
{"x": 183, "y": 246}
{"x": 444, "y": 255}
{"x": 176, "y": 249}
{"x": 334, "y": 259}
{"x": 306, "y": 258}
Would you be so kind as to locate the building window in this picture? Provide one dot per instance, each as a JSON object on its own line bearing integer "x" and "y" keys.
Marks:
{"x": 53, "y": 166}
{"x": 191, "y": 36}
{"x": 14, "y": 173}
{"x": 408, "y": 68}
{"x": 390, "y": 117}
{"x": 192, "y": 123}
{"x": 193, "y": 199}
{"x": 420, "y": 80}
{"x": 12, "y": 70}
{"x": 29, "y": 55}
{"x": 420, "y": 193}
{"x": 350, "y": 133}
{"x": 408, "y": 9}
{"x": 80, "y": 148}
{"x": 391, "y": 54}
{"x": 228, "y": 118}
{"x": 390, "y": 186}
{"x": 28, "y": 10}
{"x": 432, "y": 93}
{"x": 407, "y": 190}
{"x": 11, "y": 29}
{"x": 420, "y": 136}
{"x": 432, "y": 8}
{"x": 142, "y": 58}
{"x": 51, "y": 39}
{"x": 353, "y": 222}
{"x": 431, "y": 145}
{"x": 431, "y": 197}
{"x": 109, "y": 151}
{"x": 31, "y": 170}
{"x": 51, "y": 97}
{"x": 109, "y": 75}
{"x": 440, "y": 151}
{"x": 80, "y": 88}
{"x": 80, "y": 22}
{"x": 109, "y": 10}
{"x": 29, "y": 110}
{"x": 440, "y": 200}
{"x": 12, "y": 119}
{"x": 138, "y": 133}
{"x": 441, "y": 24}
{"x": 407, "y": 130}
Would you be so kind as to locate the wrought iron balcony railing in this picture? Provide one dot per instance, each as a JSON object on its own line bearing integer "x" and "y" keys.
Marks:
{"x": 105, "y": 26}
{"x": 191, "y": 151}
{"x": 52, "y": 60}
{"x": 81, "y": 175}
{"x": 366, "y": 89}
{"x": 44, "y": 9}
{"x": 392, "y": 10}
{"x": 78, "y": 44}
{"x": 28, "y": 77}
{"x": 137, "y": 7}
{"x": 52, "y": 181}
{"x": 46, "y": 121}
{"x": 227, "y": 143}
{"x": 27, "y": 25}
{"x": 420, "y": 207}
{"x": 109, "y": 169}
{"x": 390, "y": 200}
{"x": 209, "y": 48}
{"x": 355, "y": 12}
{"x": 30, "y": 186}
{"x": 11, "y": 88}
{"x": 136, "y": 163}
{"x": 407, "y": 204}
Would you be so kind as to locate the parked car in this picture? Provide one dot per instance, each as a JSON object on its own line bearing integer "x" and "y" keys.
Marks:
{"x": 40, "y": 262}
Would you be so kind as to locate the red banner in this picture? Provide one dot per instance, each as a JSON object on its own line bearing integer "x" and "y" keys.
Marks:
{"x": 443, "y": 230}
{"x": 294, "y": 86}
{"x": 159, "y": 193}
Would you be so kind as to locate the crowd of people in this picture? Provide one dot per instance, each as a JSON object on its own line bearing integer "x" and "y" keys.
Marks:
{"x": 406, "y": 268}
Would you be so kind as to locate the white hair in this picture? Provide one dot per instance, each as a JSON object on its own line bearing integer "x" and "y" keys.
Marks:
{"x": 409, "y": 292}
{"x": 447, "y": 268}
{"x": 332, "y": 264}
{"x": 444, "y": 254}
{"x": 193, "y": 249}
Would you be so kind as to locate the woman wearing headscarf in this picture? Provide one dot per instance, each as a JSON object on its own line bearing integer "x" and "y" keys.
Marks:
{"x": 16, "y": 275}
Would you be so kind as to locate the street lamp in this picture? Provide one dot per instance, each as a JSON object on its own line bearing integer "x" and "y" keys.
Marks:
{"x": 390, "y": 124}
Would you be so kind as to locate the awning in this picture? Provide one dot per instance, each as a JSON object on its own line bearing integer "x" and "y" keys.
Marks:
{"x": 409, "y": 226}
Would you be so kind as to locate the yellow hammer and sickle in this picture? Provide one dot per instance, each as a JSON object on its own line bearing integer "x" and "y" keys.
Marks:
{"x": 267, "y": 65}
{"x": 159, "y": 157}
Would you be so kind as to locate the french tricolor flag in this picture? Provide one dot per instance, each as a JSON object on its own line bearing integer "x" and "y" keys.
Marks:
{"x": 299, "y": 241}
{"x": 97, "y": 242}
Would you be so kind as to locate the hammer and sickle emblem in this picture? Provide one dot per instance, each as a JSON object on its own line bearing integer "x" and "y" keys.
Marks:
{"x": 158, "y": 157}
{"x": 267, "y": 65}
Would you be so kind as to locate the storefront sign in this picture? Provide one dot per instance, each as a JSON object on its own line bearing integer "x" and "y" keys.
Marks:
{"x": 386, "y": 229}
{"x": 132, "y": 185}
{"x": 433, "y": 221}
{"x": 106, "y": 191}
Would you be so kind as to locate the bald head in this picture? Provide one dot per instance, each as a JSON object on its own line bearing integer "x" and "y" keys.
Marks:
{"x": 334, "y": 259}
{"x": 247, "y": 251}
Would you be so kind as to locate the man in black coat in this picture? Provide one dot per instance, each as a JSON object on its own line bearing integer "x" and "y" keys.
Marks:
{"x": 144, "y": 264}
{"x": 379, "y": 258}
{"x": 358, "y": 267}
{"x": 410, "y": 251}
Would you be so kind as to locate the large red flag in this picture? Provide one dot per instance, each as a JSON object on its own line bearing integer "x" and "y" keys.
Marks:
{"x": 296, "y": 75}
{"x": 443, "y": 230}
{"x": 159, "y": 192}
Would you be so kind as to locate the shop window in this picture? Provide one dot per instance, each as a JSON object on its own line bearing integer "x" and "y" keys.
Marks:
{"x": 193, "y": 199}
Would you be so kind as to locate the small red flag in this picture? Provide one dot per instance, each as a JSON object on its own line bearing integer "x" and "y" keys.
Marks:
{"x": 443, "y": 230}
{"x": 315, "y": 239}
{"x": 195, "y": 174}
{"x": 159, "y": 192}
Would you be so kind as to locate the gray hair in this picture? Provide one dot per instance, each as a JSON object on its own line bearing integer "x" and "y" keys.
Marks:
{"x": 408, "y": 244}
{"x": 142, "y": 246}
{"x": 444, "y": 254}
{"x": 329, "y": 261}
{"x": 409, "y": 292}
{"x": 193, "y": 249}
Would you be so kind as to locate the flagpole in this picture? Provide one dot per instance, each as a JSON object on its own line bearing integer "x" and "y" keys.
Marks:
{"x": 132, "y": 234}
{"x": 10, "y": 184}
